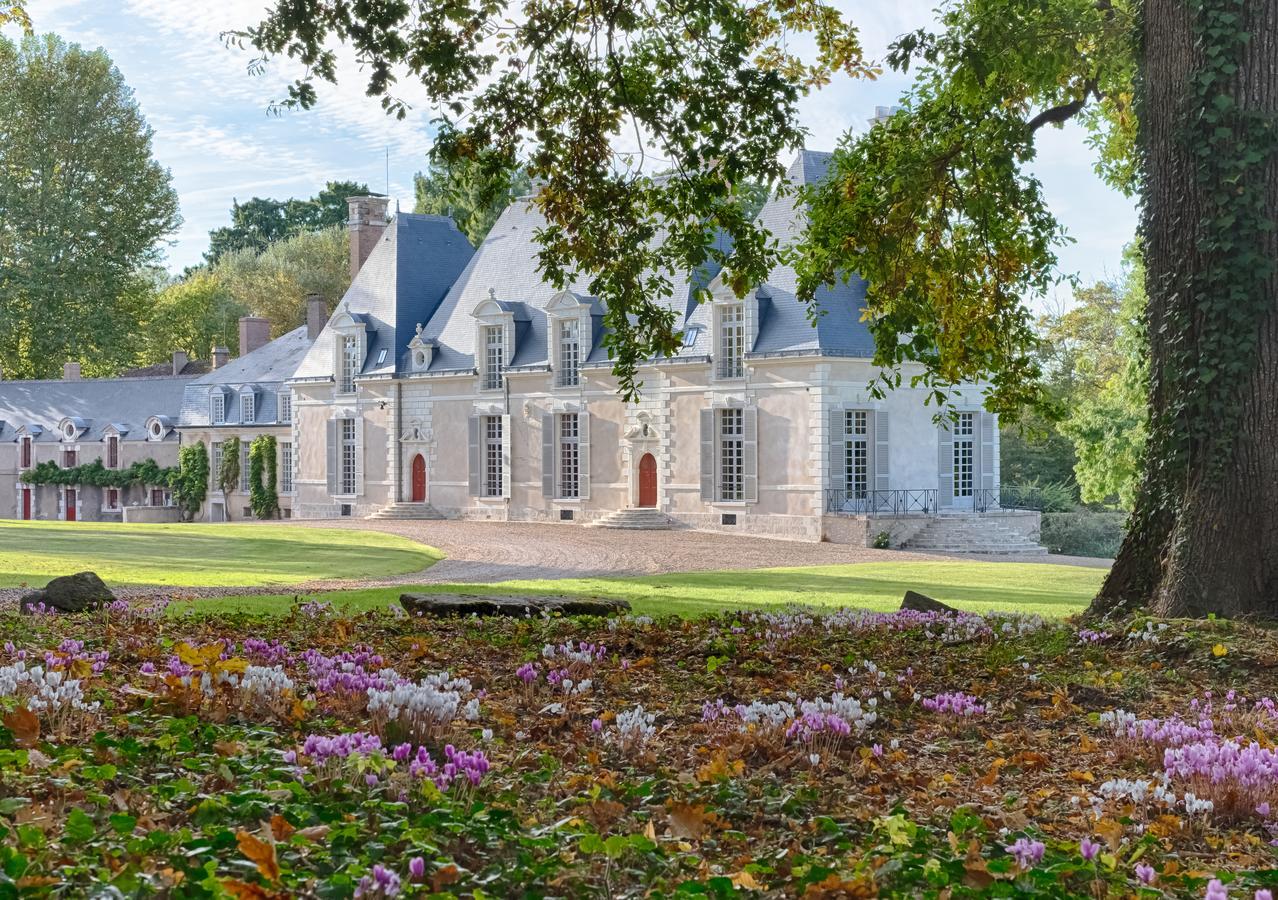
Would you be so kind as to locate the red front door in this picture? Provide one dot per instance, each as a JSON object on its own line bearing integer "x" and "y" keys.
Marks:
{"x": 647, "y": 480}
{"x": 70, "y": 504}
{"x": 419, "y": 479}
{"x": 26, "y": 503}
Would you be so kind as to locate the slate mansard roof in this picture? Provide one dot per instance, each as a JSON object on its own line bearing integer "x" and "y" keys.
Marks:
{"x": 125, "y": 404}
{"x": 423, "y": 271}
{"x": 263, "y": 371}
{"x": 416, "y": 260}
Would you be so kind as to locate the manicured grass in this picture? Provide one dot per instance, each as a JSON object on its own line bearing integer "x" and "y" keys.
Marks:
{"x": 201, "y": 555}
{"x": 1049, "y": 590}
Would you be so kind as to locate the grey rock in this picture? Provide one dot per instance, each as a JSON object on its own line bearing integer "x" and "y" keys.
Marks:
{"x": 922, "y": 603}
{"x": 465, "y": 605}
{"x": 70, "y": 593}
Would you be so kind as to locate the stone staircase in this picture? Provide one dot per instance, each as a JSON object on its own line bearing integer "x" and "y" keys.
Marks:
{"x": 972, "y": 534}
{"x": 406, "y": 510}
{"x": 635, "y": 519}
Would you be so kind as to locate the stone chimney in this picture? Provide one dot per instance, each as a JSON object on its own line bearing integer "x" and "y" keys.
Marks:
{"x": 71, "y": 371}
{"x": 367, "y": 220}
{"x": 180, "y": 359}
{"x": 218, "y": 356}
{"x": 254, "y": 332}
{"x": 316, "y": 315}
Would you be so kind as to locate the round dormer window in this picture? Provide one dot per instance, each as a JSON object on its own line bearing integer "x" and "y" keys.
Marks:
{"x": 157, "y": 431}
{"x": 419, "y": 359}
{"x": 68, "y": 431}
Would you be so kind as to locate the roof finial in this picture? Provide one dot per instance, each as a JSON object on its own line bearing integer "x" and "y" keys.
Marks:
{"x": 492, "y": 293}
{"x": 419, "y": 329}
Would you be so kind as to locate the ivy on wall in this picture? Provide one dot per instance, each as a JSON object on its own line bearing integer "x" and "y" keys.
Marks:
{"x": 94, "y": 474}
{"x": 264, "y": 500}
{"x": 190, "y": 487}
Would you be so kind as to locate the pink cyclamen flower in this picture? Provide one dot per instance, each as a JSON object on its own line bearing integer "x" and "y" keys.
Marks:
{"x": 1145, "y": 873}
{"x": 1027, "y": 852}
{"x": 596, "y": 725}
{"x": 1216, "y": 890}
{"x": 1089, "y": 849}
{"x": 417, "y": 868}
{"x": 1264, "y": 894}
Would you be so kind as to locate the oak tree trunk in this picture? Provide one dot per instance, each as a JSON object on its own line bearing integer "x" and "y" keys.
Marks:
{"x": 1204, "y": 533}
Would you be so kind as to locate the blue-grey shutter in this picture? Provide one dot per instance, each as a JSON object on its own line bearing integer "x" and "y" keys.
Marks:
{"x": 750, "y": 453}
{"x": 945, "y": 464}
{"x": 838, "y": 468}
{"x": 505, "y": 456}
{"x": 583, "y": 455}
{"x": 707, "y": 455}
{"x": 882, "y": 453}
{"x": 548, "y": 455}
{"x": 330, "y": 428}
{"x": 989, "y": 423}
{"x": 473, "y": 466}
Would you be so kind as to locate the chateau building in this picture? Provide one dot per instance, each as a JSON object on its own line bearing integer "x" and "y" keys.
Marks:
{"x": 454, "y": 382}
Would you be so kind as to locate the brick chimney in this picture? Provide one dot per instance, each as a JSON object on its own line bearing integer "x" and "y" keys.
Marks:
{"x": 219, "y": 356}
{"x": 71, "y": 371}
{"x": 254, "y": 332}
{"x": 316, "y": 315}
{"x": 367, "y": 220}
{"x": 180, "y": 359}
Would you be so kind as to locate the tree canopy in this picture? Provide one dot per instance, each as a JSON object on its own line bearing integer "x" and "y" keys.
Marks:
{"x": 258, "y": 223}
{"x": 472, "y": 197}
{"x": 85, "y": 208}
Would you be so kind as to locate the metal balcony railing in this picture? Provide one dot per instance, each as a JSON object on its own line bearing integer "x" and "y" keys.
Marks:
{"x": 894, "y": 502}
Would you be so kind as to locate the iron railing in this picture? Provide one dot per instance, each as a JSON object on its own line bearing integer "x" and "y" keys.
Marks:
{"x": 895, "y": 502}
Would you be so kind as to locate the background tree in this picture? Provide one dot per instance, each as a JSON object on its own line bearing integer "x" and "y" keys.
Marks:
{"x": 258, "y": 223}
{"x": 274, "y": 283}
{"x": 15, "y": 11}
{"x": 84, "y": 207}
{"x": 474, "y": 199}
{"x": 194, "y": 315}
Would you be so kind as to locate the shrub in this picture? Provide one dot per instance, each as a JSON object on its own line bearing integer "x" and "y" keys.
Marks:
{"x": 882, "y": 541}
{"x": 1084, "y": 532}
{"x": 263, "y": 498}
{"x": 191, "y": 481}
{"x": 1048, "y": 497}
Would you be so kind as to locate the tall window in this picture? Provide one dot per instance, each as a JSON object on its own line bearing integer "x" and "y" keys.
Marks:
{"x": 286, "y": 406}
{"x": 215, "y": 461}
{"x": 26, "y": 452}
{"x": 70, "y": 459}
{"x": 346, "y": 432}
{"x": 113, "y": 451}
{"x": 286, "y": 467}
{"x": 732, "y": 341}
{"x": 247, "y": 408}
{"x": 964, "y": 445}
{"x": 217, "y": 407}
{"x": 492, "y": 457}
{"x": 244, "y": 465}
{"x": 731, "y": 454}
{"x": 569, "y": 371}
{"x": 494, "y": 356}
{"x": 112, "y": 498}
{"x": 569, "y": 455}
{"x": 857, "y": 458}
{"x": 349, "y": 364}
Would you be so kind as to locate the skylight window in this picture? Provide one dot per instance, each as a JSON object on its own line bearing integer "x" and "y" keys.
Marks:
{"x": 690, "y": 335}
{"x": 381, "y": 356}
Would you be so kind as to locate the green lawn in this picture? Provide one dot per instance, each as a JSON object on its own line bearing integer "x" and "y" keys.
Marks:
{"x": 201, "y": 555}
{"x": 1049, "y": 590}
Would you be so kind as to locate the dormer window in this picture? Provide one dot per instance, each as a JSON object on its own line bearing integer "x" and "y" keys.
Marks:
{"x": 286, "y": 407}
{"x": 217, "y": 408}
{"x": 731, "y": 324}
{"x": 113, "y": 451}
{"x": 349, "y": 362}
{"x": 568, "y": 363}
{"x": 248, "y": 403}
{"x": 494, "y": 342}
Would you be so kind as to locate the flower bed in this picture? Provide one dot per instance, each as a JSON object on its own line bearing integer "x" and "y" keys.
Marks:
{"x": 793, "y": 753}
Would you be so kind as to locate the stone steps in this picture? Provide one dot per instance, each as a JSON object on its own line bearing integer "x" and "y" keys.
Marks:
{"x": 406, "y": 511}
{"x": 982, "y": 535}
{"x": 635, "y": 519}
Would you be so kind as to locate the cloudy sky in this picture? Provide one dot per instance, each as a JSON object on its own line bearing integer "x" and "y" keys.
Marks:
{"x": 214, "y": 132}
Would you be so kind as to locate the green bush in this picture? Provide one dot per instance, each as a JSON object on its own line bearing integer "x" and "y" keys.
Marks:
{"x": 263, "y": 499}
{"x": 191, "y": 481}
{"x": 1084, "y": 532}
{"x": 1048, "y": 497}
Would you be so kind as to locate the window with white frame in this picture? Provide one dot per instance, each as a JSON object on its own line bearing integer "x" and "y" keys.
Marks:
{"x": 248, "y": 402}
{"x": 569, "y": 455}
{"x": 25, "y": 456}
{"x": 731, "y": 341}
{"x": 217, "y": 408}
{"x": 349, "y": 364}
{"x": 215, "y": 461}
{"x": 493, "y": 473}
{"x": 494, "y": 356}
{"x": 286, "y": 467}
{"x": 346, "y": 448}
{"x": 856, "y": 442}
{"x": 568, "y": 371}
{"x": 286, "y": 407}
{"x": 964, "y": 454}
{"x": 244, "y": 465}
{"x": 731, "y": 433}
